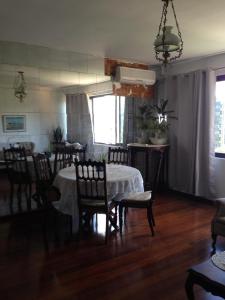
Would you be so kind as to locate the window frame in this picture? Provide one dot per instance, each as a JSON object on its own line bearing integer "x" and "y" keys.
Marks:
{"x": 220, "y": 78}
{"x": 117, "y": 123}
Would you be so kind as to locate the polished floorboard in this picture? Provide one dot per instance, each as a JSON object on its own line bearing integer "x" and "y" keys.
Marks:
{"x": 138, "y": 266}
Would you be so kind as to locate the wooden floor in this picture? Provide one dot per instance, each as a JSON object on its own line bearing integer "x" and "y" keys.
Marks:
{"x": 137, "y": 267}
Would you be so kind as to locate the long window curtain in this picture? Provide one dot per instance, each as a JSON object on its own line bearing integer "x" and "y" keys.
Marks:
{"x": 191, "y": 159}
{"x": 79, "y": 125}
{"x": 129, "y": 126}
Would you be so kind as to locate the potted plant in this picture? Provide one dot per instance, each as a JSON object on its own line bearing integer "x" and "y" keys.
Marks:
{"x": 159, "y": 132}
{"x": 57, "y": 134}
{"x": 154, "y": 120}
{"x": 159, "y": 125}
{"x": 56, "y": 138}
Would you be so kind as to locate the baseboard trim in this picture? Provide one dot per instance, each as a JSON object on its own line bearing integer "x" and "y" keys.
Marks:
{"x": 192, "y": 197}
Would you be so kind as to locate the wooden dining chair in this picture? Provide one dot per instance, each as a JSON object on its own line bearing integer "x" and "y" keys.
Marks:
{"x": 46, "y": 194}
{"x": 65, "y": 157}
{"x": 18, "y": 175}
{"x": 142, "y": 199}
{"x": 118, "y": 156}
{"x": 44, "y": 178}
{"x": 92, "y": 193}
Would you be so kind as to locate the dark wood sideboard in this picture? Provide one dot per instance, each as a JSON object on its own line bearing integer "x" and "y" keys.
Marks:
{"x": 149, "y": 158}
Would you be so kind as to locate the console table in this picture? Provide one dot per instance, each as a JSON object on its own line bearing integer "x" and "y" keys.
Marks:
{"x": 149, "y": 151}
{"x": 208, "y": 276}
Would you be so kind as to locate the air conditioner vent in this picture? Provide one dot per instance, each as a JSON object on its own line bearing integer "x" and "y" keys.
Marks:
{"x": 135, "y": 76}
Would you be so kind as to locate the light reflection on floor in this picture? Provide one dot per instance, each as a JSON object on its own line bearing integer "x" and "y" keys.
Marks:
{"x": 99, "y": 224}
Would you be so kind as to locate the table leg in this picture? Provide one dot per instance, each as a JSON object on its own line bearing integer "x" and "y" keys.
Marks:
{"x": 121, "y": 218}
{"x": 132, "y": 158}
{"x": 189, "y": 288}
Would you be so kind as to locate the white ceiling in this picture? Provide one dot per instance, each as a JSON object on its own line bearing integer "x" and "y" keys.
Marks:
{"x": 122, "y": 29}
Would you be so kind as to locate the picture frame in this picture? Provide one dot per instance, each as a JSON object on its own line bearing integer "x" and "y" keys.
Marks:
{"x": 14, "y": 123}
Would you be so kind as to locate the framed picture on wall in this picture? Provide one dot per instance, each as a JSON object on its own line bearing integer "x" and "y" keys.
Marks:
{"x": 14, "y": 123}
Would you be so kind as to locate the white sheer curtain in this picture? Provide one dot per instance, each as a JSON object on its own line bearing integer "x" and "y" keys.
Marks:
{"x": 191, "y": 159}
{"x": 79, "y": 125}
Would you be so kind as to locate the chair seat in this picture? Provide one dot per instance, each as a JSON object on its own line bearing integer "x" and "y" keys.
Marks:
{"x": 138, "y": 197}
{"x": 94, "y": 203}
{"x": 137, "y": 200}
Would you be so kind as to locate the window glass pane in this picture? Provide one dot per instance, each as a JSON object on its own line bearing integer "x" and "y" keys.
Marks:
{"x": 108, "y": 118}
{"x": 220, "y": 117}
{"x": 121, "y": 118}
{"x": 104, "y": 119}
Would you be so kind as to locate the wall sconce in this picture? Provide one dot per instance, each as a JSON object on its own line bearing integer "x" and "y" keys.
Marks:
{"x": 20, "y": 86}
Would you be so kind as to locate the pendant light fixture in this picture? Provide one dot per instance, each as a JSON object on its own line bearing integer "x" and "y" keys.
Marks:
{"x": 20, "y": 86}
{"x": 168, "y": 46}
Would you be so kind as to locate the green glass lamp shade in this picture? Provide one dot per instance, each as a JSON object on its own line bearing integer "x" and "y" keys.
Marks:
{"x": 171, "y": 41}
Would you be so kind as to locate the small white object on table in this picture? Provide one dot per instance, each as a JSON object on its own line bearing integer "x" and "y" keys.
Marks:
{"x": 120, "y": 180}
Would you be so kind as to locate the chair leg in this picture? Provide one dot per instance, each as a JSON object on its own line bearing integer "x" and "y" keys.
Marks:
{"x": 19, "y": 197}
{"x": 125, "y": 215}
{"x": 11, "y": 197}
{"x": 96, "y": 222}
{"x": 44, "y": 231}
{"x": 106, "y": 228}
{"x": 80, "y": 224}
{"x": 116, "y": 214}
{"x": 153, "y": 219}
{"x": 71, "y": 225}
{"x": 121, "y": 218}
{"x": 28, "y": 196}
{"x": 56, "y": 218}
{"x": 214, "y": 238}
{"x": 149, "y": 216}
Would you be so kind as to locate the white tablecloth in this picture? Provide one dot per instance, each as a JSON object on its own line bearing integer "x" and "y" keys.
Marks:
{"x": 120, "y": 180}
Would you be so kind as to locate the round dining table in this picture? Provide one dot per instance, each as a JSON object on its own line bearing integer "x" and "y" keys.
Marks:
{"x": 120, "y": 180}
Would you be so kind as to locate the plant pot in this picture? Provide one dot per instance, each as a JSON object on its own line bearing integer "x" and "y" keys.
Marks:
{"x": 158, "y": 140}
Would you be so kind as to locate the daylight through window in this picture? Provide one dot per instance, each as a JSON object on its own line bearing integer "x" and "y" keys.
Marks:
{"x": 220, "y": 115}
{"x": 108, "y": 119}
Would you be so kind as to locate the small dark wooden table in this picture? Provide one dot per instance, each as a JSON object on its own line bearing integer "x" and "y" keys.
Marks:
{"x": 148, "y": 150}
{"x": 208, "y": 276}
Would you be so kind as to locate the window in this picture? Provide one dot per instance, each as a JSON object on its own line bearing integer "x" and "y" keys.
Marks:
{"x": 108, "y": 119}
{"x": 220, "y": 116}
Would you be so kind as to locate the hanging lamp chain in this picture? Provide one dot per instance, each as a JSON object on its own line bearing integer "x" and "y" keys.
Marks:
{"x": 178, "y": 29}
{"x": 162, "y": 28}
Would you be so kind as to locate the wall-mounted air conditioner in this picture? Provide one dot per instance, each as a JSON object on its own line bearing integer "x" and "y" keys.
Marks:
{"x": 134, "y": 76}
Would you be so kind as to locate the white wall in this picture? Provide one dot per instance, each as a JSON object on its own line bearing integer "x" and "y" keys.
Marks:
{"x": 217, "y": 63}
